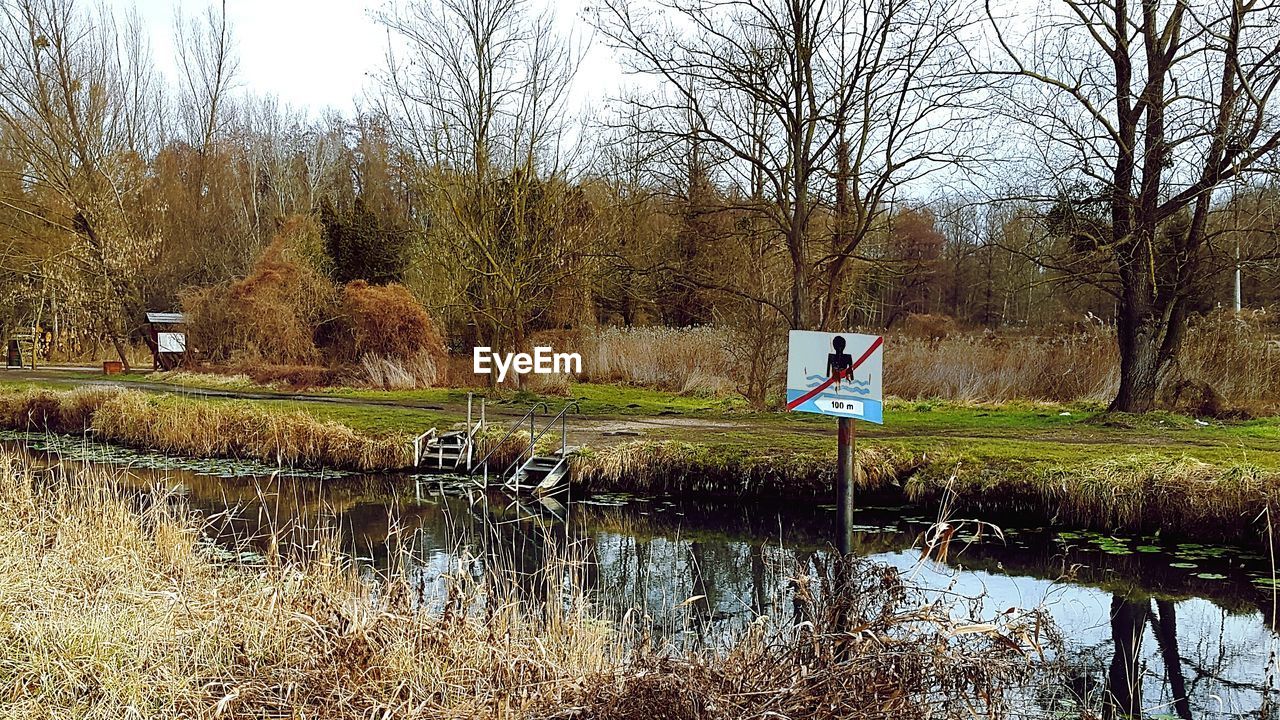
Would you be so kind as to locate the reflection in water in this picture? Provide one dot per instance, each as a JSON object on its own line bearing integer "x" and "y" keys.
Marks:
{"x": 695, "y": 573}
{"x": 1124, "y": 678}
{"x": 1166, "y": 629}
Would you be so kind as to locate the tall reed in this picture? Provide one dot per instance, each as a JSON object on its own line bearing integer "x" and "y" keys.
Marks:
{"x": 1238, "y": 357}
{"x": 201, "y": 428}
{"x": 113, "y": 605}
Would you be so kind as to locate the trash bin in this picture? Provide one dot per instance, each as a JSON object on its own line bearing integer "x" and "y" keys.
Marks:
{"x": 13, "y": 358}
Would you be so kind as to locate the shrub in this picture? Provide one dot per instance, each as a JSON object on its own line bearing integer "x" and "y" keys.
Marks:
{"x": 926, "y": 326}
{"x": 270, "y": 314}
{"x": 383, "y": 320}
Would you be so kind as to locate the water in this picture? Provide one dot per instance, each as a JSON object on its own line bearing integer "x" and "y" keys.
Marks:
{"x": 1200, "y": 619}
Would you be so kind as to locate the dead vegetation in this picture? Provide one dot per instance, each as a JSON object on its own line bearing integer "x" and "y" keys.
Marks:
{"x": 200, "y": 428}
{"x": 686, "y": 361}
{"x": 113, "y": 605}
{"x": 269, "y": 315}
{"x": 673, "y": 467}
{"x": 1230, "y": 366}
{"x": 1136, "y": 493}
{"x": 286, "y": 322}
{"x": 862, "y": 645}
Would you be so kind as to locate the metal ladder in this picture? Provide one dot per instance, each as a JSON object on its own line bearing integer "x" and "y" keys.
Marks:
{"x": 542, "y": 474}
{"x": 452, "y": 450}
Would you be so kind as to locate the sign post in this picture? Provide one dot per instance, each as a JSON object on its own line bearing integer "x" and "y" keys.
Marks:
{"x": 838, "y": 374}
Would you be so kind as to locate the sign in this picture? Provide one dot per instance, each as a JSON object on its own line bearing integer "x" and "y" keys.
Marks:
{"x": 836, "y": 374}
{"x": 171, "y": 342}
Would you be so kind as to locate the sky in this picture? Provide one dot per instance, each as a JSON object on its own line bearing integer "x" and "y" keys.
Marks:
{"x": 318, "y": 54}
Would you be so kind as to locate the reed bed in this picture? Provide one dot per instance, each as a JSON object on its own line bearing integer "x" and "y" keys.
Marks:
{"x": 866, "y": 647}
{"x": 1238, "y": 357}
{"x": 113, "y": 605}
{"x": 699, "y": 360}
{"x": 201, "y": 428}
{"x": 996, "y": 369}
{"x": 673, "y": 467}
{"x": 1137, "y": 493}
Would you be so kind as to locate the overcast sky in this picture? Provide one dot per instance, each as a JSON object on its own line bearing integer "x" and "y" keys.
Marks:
{"x": 319, "y": 53}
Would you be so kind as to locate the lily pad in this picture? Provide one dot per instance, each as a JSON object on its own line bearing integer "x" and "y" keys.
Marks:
{"x": 1184, "y": 565}
{"x": 1211, "y": 576}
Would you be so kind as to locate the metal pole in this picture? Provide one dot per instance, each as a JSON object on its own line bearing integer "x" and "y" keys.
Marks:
{"x": 847, "y": 471}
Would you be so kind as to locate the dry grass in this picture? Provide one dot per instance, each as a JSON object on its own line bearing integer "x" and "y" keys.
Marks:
{"x": 1139, "y": 493}
{"x": 1239, "y": 358}
{"x": 864, "y": 645}
{"x": 672, "y": 467}
{"x": 389, "y": 373}
{"x": 687, "y": 361}
{"x": 994, "y": 368}
{"x": 200, "y": 428}
{"x": 1236, "y": 357}
{"x": 112, "y": 606}
{"x": 95, "y": 353}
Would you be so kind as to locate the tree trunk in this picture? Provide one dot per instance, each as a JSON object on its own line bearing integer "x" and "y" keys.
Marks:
{"x": 1140, "y": 368}
{"x": 1141, "y": 330}
{"x": 799, "y": 273}
{"x": 120, "y": 351}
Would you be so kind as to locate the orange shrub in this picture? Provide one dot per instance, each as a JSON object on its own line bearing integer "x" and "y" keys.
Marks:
{"x": 386, "y": 321}
{"x": 269, "y": 315}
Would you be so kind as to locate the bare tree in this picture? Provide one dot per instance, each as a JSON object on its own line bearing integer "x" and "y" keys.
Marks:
{"x": 208, "y": 67}
{"x": 77, "y": 104}
{"x": 811, "y": 109}
{"x": 481, "y": 103}
{"x": 1140, "y": 112}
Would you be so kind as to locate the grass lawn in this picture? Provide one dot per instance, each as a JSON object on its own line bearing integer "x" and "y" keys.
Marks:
{"x": 1022, "y": 432}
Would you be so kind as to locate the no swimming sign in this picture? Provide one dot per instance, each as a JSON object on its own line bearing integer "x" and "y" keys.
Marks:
{"x": 836, "y": 374}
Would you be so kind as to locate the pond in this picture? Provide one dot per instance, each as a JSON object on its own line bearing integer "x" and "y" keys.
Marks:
{"x": 1199, "y": 619}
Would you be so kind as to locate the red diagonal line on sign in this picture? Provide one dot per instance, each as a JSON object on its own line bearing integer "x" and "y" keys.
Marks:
{"x": 839, "y": 376}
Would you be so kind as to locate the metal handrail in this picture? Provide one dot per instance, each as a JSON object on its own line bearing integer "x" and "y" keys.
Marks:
{"x": 417, "y": 446}
{"x": 514, "y": 426}
{"x": 564, "y": 433}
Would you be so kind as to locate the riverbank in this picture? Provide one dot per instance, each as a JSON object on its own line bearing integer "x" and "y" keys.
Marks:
{"x": 1070, "y": 465}
{"x": 114, "y": 604}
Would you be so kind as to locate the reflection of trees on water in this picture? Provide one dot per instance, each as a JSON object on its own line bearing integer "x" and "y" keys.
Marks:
{"x": 1166, "y": 631}
{"x": 1148, "y": 671}
{"x": 1123, "y": 697}
{"x": 640, "y": 559}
